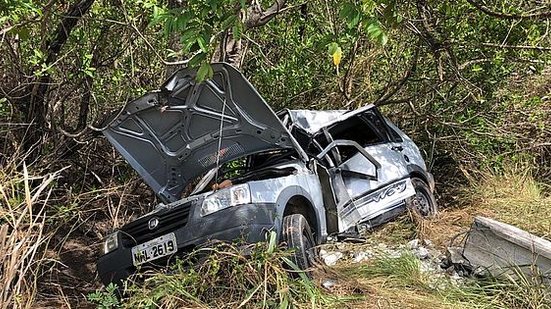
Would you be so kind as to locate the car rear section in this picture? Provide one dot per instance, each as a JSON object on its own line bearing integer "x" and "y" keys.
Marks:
{"x": 365, "y": 163}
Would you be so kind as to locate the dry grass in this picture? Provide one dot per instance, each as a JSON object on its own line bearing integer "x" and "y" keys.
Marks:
{"x": 23, "y": 233}
{"x": 515, "y": 197}
{"x": 511, "y": 196}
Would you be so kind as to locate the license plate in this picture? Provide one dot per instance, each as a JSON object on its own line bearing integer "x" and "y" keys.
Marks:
{"x": 154, "y": 249}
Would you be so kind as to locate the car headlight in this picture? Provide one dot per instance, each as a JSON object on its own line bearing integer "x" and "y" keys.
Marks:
{"x": 111, "y": 242}
{"x": 232, "y": 196}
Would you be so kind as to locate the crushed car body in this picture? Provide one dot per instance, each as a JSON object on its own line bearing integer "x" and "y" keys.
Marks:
{"x": 226, "y": 167}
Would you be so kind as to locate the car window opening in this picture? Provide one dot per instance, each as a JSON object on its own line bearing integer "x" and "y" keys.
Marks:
{"x": 355, "y": 129}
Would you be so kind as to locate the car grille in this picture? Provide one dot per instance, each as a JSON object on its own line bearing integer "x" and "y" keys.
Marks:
{"x": 138, "y": 231}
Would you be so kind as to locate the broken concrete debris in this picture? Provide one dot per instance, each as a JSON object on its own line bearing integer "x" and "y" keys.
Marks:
{"x": 502, "y": 248}
{"x": 432, "y": 262}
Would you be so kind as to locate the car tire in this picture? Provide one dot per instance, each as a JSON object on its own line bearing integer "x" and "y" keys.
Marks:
{"x": 424, "y": 201}
{"x": 296, "y": 233}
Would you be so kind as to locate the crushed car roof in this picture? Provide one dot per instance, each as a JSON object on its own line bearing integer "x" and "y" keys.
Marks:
{"x": 312, "y": 121}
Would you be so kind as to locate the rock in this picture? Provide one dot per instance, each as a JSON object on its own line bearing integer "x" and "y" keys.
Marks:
{"x": 330, "y": 258}
{"x": 455, "y": 256}
{"x": 413, "y": 244}
{"x": 394, "y": 254}
{"x": 422, "y": 253}
{"x": 427, "y": 267}
{"x": 428, "y": 243}
{"x": 329, "y": 283}
{"x": 361, "y": 256}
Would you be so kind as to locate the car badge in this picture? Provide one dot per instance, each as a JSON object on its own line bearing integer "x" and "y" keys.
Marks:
{"x": 153, "y": 223}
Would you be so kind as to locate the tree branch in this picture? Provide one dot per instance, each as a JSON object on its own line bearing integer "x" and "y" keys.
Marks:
{"x": 258, "y": 17}
{"x": 538, "y": 48}
{"x": 387, "y": 94}
{"x": 486, "y": 10}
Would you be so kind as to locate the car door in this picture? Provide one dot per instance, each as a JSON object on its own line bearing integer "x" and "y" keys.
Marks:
{"x": 367, "y": 171}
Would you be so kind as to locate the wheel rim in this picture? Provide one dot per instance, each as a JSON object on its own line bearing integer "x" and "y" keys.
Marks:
{"x": 422, "y": 203}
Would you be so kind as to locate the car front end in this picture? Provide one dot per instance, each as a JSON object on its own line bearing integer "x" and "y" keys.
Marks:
{"x": 175, "y": 229}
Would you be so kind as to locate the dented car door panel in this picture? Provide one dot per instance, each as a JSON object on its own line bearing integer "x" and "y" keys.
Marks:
{"x": 373, "y": 180}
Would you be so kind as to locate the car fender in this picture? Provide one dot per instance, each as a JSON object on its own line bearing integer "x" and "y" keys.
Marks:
{"x": 416, "y": 170}
{"x": 285, "y": 197}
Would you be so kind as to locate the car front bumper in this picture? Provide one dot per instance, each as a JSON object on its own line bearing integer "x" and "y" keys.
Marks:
{"x": 246, "y": 223}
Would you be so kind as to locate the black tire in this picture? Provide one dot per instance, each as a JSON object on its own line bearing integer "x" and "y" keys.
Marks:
{"x": 423, "y": 202}
{"x": 296, "y": 233}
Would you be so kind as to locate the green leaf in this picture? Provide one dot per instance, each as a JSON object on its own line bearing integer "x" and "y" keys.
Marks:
{"x": 376, "y": 32}
{"x": 205, "y": 72}
{"x": 272, "y": 243}
{"x": 383, "y": 38}
{"x": 202, "y": 44}
{"x": 237, "y": 30}
{"x": 228, "y": 22}
{"x": 332, "y": 48}
{"x": 351, "y": 14}
{"x": 195, "y": 60}
{"x": 346, "y": 10}
{"x": 373, "y": 29}
{"x": 189, "y": 38}
{"x": 353, "y": 20}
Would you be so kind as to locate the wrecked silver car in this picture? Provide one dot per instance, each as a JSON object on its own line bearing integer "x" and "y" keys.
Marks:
{"x": 226, "y": 167}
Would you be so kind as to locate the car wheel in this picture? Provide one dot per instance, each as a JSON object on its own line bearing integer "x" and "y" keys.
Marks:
{"x": 423, "y": 201}
{"x": 296, "y": 233}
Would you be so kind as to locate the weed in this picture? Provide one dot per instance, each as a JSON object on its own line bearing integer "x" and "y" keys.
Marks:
{"x": 107, "y": 298}
{"x": 401, "y": 282}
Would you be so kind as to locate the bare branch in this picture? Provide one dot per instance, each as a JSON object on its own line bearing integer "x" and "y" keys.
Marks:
{"x": 258, "y": 17}
{"x": 538, "y": 48}
{"x": 486, "y": 10}
{"x": 389, "y": 93}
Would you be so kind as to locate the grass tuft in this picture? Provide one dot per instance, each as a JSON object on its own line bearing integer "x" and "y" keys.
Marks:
{"x": 400, "y": 282}
{"x": 24, "y": 236}
{"x": 512, "y": 196}
{"x": 222, "y": 276}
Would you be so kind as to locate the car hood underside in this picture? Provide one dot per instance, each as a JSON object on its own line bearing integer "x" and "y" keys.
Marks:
{"x": 172, "y": 136}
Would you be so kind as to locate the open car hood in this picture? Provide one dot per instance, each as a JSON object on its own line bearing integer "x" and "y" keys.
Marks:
{"x": 171, "y": 136}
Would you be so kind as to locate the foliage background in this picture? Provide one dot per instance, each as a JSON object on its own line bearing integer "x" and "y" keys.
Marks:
{"x": 470, "y": 80}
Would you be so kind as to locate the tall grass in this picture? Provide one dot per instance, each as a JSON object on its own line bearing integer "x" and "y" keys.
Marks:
{"x": 225, "y": 278}
{"x": 402, "y": 283}
{"x": 23, "y": 233}
{"x": 513, "y": 196}
{"x": 222, "y": 276}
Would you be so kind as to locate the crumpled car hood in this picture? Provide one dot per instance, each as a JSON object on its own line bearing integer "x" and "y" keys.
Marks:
{"x": 171, "y": 136}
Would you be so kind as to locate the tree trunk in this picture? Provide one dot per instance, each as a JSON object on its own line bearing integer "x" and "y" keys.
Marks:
{"x": 37, "y": 105}
{"x": 232, "y": 50}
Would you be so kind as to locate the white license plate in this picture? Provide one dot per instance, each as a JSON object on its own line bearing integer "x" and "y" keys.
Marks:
{"x": 154, "y": 249}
